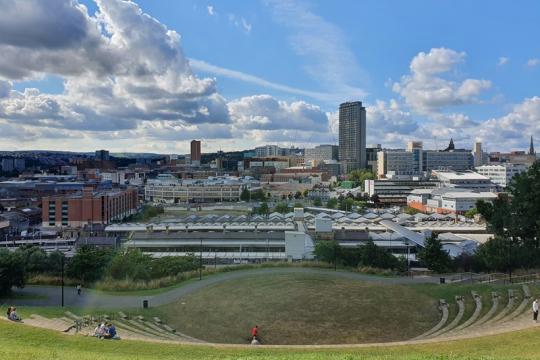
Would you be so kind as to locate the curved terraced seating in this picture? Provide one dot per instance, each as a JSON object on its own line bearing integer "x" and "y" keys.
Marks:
{"x": 521, "y": 307}
{"x": 507, "y": 309}
{"x": 477, "y": 310}
{"x": 461, "y": 310}
{"x": 443, "y": 308}
{"x": 492, "y": 310}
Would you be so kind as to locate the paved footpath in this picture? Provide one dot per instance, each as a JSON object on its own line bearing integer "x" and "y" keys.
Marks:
{"x": 51, "y": 295}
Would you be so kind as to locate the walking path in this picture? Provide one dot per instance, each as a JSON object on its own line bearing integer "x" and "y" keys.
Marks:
{"x": 51, "y": 295}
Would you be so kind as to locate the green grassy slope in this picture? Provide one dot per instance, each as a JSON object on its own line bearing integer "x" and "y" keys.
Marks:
{"x": 22, "y": 342}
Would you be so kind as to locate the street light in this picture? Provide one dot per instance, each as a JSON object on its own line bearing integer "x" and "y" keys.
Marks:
{"x": 200, "y": 261}
{"x": 62, "y": 262}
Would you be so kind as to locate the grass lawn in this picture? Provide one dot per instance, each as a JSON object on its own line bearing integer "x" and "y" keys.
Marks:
{"x": 25, "y": 343}
{"x": 303, "y": 309}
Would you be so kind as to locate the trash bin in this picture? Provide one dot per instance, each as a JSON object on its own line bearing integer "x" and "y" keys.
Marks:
{"x": 145, "y": 304}
{"x": 442, "y": 280}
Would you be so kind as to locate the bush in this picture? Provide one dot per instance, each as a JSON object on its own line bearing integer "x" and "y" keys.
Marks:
{"x": 12, "y": 271}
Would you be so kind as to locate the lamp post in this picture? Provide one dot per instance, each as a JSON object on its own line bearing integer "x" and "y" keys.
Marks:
{"x": 62, "y": 262}
{"x": 200, "y": 261}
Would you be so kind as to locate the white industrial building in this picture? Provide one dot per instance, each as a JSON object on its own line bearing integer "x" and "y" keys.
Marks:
{"x": 501, "y": 174}
{"x": 464, "y": 180}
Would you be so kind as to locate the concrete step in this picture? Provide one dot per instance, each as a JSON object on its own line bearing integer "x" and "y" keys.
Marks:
{"x": 477, "y": 310}
{"x": 461, "y": 310}
{"x": 443, "y": 308}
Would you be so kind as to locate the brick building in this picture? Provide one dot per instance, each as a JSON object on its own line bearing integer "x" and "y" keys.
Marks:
{"x": 88, "y": 207}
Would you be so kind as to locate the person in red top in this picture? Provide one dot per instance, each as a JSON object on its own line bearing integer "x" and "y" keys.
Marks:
{"x": 255, "y": 332}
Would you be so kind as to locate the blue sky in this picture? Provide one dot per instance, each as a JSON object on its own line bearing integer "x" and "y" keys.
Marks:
{"x": 478, "y": 77}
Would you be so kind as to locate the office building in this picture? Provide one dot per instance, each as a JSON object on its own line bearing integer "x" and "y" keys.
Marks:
{"x": 352, "y": 136}
{"x": 267, "y": 151}
{"x": 102, "y": 155}
{"x": 19, "y": 164}
{"x": 371, "y": 157}
{"x": 416, "y": 149}
{"x": 8, "y": 165}
{"x": 88, "y": 207}
{"x": 320, "y": 154}
{"x": 502, "y": 174}
{"x": 195, "y": 153}
{"x": 395, "y": 191}
{"x": 457, "y": 160}
{"x": 395, "y": 162}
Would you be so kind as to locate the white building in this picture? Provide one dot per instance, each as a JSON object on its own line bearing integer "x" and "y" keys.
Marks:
{"x": 398, "y": 162}
{"x": 501, "y": 174}
{"x": 267, "y": 150}
{"x": 447, "y": 200}
{"x": 464, "y": 180}
{"x": 168, "y": 189}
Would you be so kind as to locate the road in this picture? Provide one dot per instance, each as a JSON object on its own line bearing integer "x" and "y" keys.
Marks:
{"x": 51, "y": 295}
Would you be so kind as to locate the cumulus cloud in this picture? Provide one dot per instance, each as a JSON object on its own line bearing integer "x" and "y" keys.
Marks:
{"x": 533, "y": 62}
{"x": 264, "y": 112}
{"x": 427, "y": 92}
{"x": 125, "y": 77}
{"x": 120, "y": 67}
{"x": 210, "y": 10}
{"x": 502, "y": 61}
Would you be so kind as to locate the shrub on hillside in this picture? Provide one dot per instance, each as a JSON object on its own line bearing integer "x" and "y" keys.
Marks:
{"x": 12, "y": 271}
{"x": 89, "y": 263}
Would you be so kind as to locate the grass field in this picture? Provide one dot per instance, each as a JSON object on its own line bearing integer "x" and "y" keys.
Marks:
{"x": 24, "y": 343}
{"x": 303, "y": 309}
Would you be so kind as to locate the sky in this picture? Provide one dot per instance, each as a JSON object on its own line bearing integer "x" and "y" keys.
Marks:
{"x": 149, "y": 76}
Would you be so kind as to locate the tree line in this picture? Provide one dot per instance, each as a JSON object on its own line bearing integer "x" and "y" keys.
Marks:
{"x": 88, "y": 265}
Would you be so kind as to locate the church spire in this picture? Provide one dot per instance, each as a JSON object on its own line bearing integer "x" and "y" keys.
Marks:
{"x": 451, "y": 145}
{"x": 531, "y": 148}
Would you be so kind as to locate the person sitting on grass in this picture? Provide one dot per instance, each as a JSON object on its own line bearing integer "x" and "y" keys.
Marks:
{"x": 9, "y": 309}
{"x": 13, "y": 315}
{"x": 111, "y": 332}
{"x": 100, "y": 331}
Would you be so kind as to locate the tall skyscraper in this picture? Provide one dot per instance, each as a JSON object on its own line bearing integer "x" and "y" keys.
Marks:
{"x": 478, "y": 154}
{"x": 102, "y": 155}
{"x": 352, "y": 136}
{"x": 195, "y": 152}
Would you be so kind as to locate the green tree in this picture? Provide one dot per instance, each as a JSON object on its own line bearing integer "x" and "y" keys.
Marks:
{"x": 244, "y": 195}
{"x": 332, "y": 203}
{"x": 360, "y": 176}
{"x": 411, "y": 211}
{"x": 305, "y": 193}
{"x": 327, "y": 250}
{"x": 130, "y": 264}
{"x": 434, "y": 257}
{"x": 317, "y": 202}
{"x": 297, "y": 195}
{"x": 346, "y": 204}
{"x": 263, "y": 209}
{"x": 282, "y": 208}
{"x": 89, "y": 263}
{"x": 12, "y": 271}
{"x": 378, "y": 257}
{"x": 471, "y": 213}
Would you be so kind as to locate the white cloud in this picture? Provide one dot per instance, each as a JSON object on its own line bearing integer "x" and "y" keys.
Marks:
{"x": 210, "y": 10}
{"x": 427, "y": 92}
{"x": 246, "y": 25}
{"x": 533, "y": 62}
{"x": 503, "y": 61}
{"x": 323, "y": 46}
{"x": 203, "y": 66}
{"x": 263, "y": 112}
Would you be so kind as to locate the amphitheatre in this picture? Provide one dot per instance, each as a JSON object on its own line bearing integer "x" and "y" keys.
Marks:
{"x": 301, "y": 312}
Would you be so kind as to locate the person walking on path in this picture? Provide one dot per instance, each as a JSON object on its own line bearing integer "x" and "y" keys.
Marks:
{"x": 255, "y": 332}
{"x": 79, "y": 288}
{"x": 535, "y": 310}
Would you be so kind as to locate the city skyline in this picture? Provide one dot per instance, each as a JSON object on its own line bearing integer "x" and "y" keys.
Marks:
{"x": 147, "y": 77}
